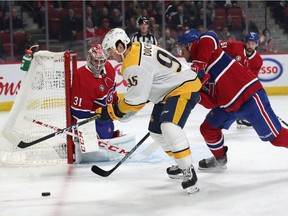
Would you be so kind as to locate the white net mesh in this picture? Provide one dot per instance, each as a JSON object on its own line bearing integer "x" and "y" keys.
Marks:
{"x": 41, "y": 97}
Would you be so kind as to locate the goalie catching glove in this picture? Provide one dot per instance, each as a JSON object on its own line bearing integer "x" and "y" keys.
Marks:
{"x": 110, "y": 112}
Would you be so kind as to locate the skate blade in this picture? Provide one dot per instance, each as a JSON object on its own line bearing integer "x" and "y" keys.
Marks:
{"x": 176, "y": 176}
{"x": 243, "y": 127}
{"x": 214, "y": 169}
{"x": 193, "y": 189}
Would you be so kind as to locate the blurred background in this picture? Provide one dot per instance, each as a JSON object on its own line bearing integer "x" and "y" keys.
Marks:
{"x": 75, "y": 25}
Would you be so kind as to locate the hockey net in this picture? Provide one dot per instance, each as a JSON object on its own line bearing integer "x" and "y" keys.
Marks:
{"x": 44, "y": 96}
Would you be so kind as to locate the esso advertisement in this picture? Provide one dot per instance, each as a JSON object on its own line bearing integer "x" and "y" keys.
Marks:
{"x": 270, "y": 70}
{"x": 274, "y": 71}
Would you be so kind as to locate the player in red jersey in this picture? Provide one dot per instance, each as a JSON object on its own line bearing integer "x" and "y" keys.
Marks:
{"x": 94, "y": 86}
{"x": 247, "y": 55}
{"x": 231, "y": 92}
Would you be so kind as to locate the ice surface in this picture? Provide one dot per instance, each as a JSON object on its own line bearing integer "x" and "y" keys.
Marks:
{"x": 255, "y": 183}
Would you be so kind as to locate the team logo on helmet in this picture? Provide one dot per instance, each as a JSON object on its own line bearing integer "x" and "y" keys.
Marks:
{"x": 252, "y": 36}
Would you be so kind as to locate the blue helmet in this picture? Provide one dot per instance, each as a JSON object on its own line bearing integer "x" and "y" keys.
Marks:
{"x": 188, "y": 37}
{"x": 252, "y": 36}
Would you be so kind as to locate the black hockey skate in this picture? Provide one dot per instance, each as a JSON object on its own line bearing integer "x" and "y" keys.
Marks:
{"x": 189, "y": 180}
{"x": 214, "y": 164}
{"x": 174, "y": 172}
{"x": 242, "y": 124}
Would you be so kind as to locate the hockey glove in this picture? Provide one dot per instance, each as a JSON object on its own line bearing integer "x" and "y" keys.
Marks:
{"x": 110, "y": 112}
{"x": 199, "y": 68}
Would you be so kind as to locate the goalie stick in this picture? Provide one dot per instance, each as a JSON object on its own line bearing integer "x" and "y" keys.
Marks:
{"x": 103, "y": 145}
{"x": 282, "y": 121}
{"x": 23, "y": 144}
{"x": 97, "y": 170}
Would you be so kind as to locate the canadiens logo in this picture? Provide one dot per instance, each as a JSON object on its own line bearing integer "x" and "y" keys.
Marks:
{"x": 110, "y": 95}
{"x": 238, "y": 58}
{"x": 101, "y": 87}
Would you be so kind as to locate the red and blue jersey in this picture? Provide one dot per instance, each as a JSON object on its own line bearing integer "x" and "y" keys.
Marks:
{"x": 230, "y": 84}
{"x": 237, "y": 51}
{"x": 90, "y": 93}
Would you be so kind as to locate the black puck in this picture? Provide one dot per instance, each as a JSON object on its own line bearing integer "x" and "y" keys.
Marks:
{"x": 46, "y": 193}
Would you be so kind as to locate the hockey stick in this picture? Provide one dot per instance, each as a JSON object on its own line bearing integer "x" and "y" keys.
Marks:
{"x": 48, "y": 126}
{"x": 97, "y": 170}
{"x": 149, "y": 150}
{"x": 103, "y": 145}
{"x": 282, "y": 121}
{"x": 23, "y": 144}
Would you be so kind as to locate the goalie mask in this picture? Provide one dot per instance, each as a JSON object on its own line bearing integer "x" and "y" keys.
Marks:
{"x": 111, "y": 40}
{"x": 96, "y": 59}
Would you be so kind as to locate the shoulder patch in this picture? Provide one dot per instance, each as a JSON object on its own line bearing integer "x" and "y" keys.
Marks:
{"x": 133, "y": 57}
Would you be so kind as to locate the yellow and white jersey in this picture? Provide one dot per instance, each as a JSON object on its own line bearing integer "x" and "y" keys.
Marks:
{"x": 153, "y": 74}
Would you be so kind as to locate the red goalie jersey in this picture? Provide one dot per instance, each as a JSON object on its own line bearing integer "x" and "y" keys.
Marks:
{"x": 89, "y": 92}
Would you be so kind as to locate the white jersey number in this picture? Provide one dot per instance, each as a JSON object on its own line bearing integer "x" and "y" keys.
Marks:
{"x": 77, "y": 101}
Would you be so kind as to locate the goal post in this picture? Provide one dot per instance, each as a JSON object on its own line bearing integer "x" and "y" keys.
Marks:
{"x": 44, "y": 96}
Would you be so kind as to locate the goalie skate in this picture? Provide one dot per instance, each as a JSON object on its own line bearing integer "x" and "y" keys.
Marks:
{"x": 189, "y": 180}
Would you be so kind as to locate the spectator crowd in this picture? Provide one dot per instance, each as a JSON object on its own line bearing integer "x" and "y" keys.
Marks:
{"x": 66, "y": 22}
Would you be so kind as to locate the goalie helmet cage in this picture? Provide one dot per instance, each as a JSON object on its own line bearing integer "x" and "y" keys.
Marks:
{"x": 44, "y": 96}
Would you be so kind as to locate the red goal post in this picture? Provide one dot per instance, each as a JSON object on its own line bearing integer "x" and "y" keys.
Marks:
{"x": 44, "y": 96}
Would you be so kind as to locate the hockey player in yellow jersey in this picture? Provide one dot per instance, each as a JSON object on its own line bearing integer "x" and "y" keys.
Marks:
{"x": 155, "y": 75}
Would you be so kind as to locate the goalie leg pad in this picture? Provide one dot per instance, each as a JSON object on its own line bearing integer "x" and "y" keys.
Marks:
{"x": 112, "y": 149}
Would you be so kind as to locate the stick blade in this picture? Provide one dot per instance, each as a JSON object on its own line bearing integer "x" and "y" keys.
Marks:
{"x": 97, "y": 170}
{"x": 23, "y": 144}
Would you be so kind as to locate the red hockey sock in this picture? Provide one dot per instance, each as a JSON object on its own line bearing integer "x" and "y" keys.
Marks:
{"x": 213, "y": 138}
{"x": 282, "y": 139}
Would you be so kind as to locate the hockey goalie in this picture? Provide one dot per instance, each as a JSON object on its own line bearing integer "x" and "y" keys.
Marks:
{"x": 93, "y": 86}
{"x": 48, "y": 103}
